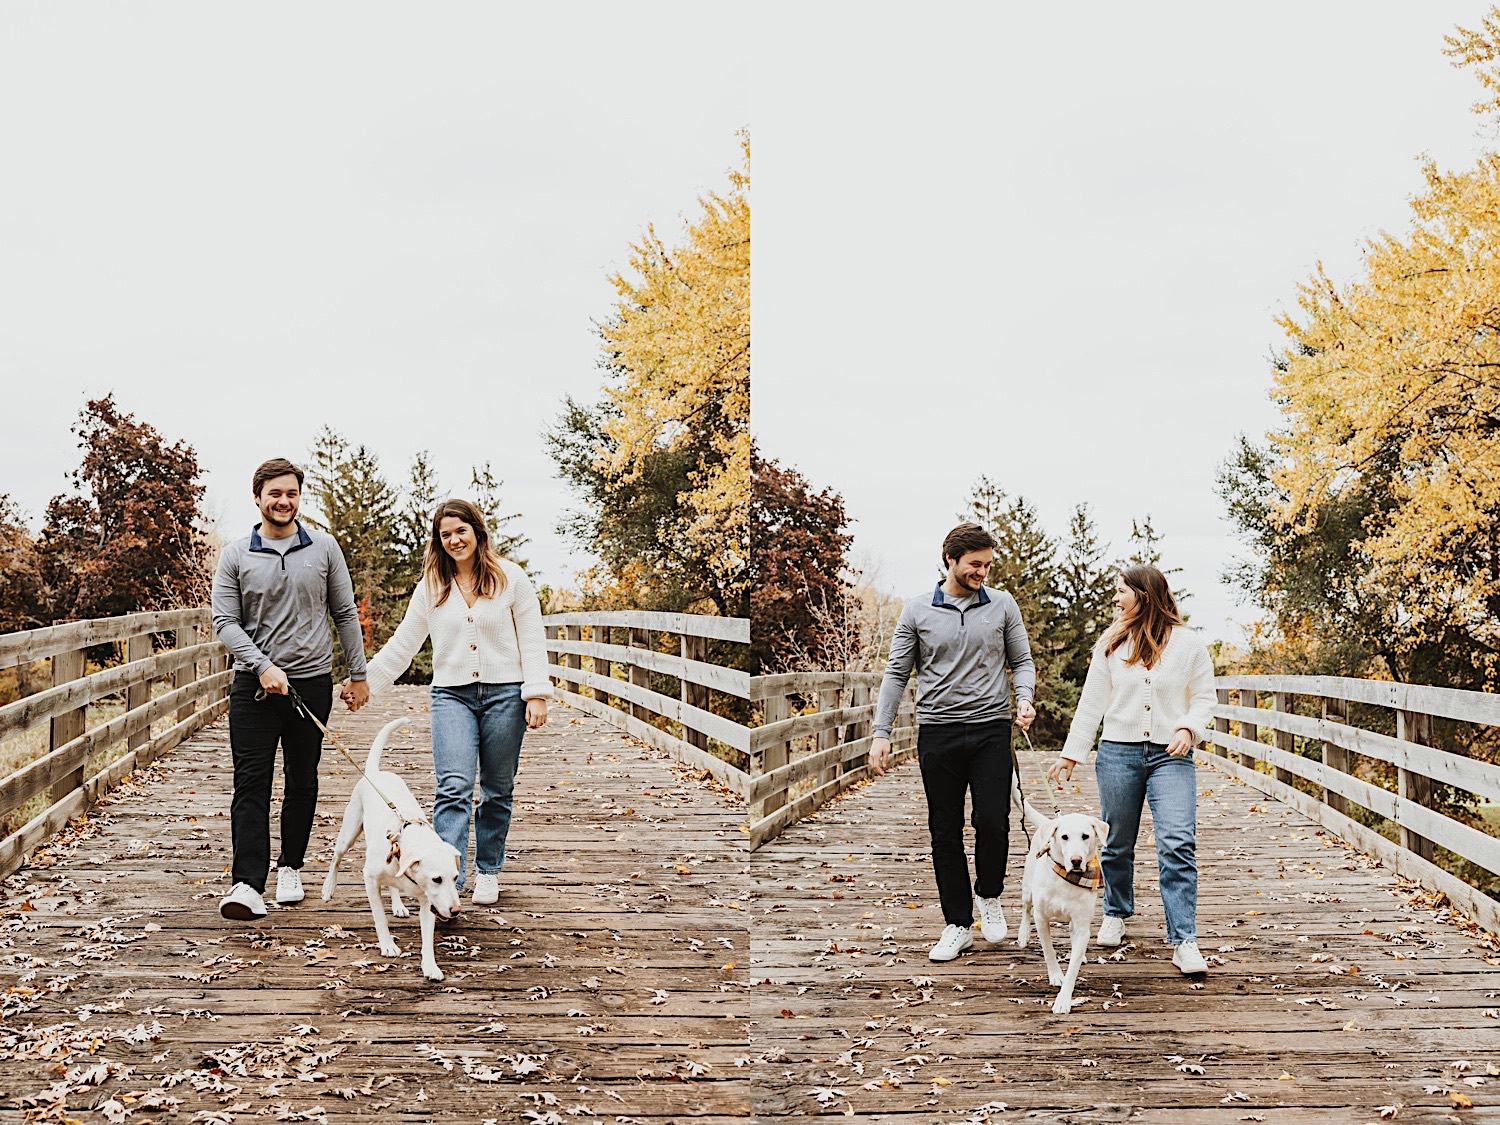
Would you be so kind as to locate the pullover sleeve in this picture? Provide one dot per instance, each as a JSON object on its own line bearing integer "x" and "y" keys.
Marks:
{"x": 1018, "y": 654}
{"x": 1093, "y": 702}
{"x": 396, "y": 655}
{"x": 897, "y": 671}
{"x": 225, "y": 605}
{"x": 531, "y": 638}
{"x": 1201, "y": 695}
{"x": 345, "y": 611}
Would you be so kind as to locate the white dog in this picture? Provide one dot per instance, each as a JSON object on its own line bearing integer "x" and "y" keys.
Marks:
{"x": 402, "y": 853}
{"x": 1062, "y": 873}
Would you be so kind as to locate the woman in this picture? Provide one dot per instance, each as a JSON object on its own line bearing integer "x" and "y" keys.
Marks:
{"x": 1151, "y": 681}
{"x": 489, "y": 681}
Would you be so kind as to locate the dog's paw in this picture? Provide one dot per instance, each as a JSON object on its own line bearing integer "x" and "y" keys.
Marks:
{"x": 1062, "y": 1005}
{"x": 399, "y": 909}
{"x": 1055, "y": 979}
{"x": 432, "y": 972}
{"x": 390, "y": 949}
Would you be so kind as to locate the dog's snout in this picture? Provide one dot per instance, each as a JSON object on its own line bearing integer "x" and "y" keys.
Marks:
{"x": 1077, "y": 862}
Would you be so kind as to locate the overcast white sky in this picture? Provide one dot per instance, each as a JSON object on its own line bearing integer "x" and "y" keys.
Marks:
{"x": 1048, "y": 243}
{"x": 399, "y": 220}
{"x": 1044, "y": 244}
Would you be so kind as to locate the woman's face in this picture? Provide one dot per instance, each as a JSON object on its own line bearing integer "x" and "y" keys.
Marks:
{"x": 457, "y": 538}
{"x": 1125, "y": 598}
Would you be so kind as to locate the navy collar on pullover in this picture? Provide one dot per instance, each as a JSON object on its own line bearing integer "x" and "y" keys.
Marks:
{"x": 258, "y": 544}
{"x": 937, "y": 596}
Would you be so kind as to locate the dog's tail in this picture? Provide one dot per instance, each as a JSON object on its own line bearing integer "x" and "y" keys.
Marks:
{"x": 372, "y": 762}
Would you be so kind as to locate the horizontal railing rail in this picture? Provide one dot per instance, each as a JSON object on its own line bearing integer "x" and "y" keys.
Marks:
{"x": 61, "y": 773}
{"x": 1257, "y": 742}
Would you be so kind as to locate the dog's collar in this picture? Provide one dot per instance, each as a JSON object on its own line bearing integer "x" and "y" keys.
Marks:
{"x": 1091, "y": 876}
{"x": 394, "y": 837}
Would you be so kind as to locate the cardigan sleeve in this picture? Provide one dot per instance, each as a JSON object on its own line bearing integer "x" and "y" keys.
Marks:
{"x": 1201, "y": 695}
{"x": 531, "y": 637}
{"x": 1093, "y": 702}
{"x": 396, "y": 655}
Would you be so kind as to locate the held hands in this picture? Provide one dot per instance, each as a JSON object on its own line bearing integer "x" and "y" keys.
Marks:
{"x": 273, "y": 680}
{"x": 355, "y": 694}
{"x": 536, "y": 713}
{"x": 1025, "y": 714}
{"x": 1060, "y": 771}
{"x": 1182, "y": 743}
{"x": 880, "y": 756}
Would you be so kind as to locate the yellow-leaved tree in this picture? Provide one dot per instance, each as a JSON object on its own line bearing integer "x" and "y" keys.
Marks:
{"x": 663, "y": 461}
{"x": 1391, "y": 392}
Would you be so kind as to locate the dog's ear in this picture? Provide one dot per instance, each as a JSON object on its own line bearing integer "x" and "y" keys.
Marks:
{"x": 1101, "y": 829}
{"x": 1045, "y": 838}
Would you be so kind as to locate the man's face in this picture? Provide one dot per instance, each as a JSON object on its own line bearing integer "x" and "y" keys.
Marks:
{"x": 971, "y": 568}
{"x": 278, "y": 502}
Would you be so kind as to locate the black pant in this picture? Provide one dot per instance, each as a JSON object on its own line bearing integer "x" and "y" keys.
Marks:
{"x": 254, "y": 730}
{"x": 955, "y": 758}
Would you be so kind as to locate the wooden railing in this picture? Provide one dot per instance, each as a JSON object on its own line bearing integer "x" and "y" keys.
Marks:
{"x": 799, "y": 762}
{"x": 74, "y": 763}
{"x": 632, "y": 642}
{"x": 1273, "y": 767}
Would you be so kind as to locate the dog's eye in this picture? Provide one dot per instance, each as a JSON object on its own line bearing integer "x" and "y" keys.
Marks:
{"x": 437, "y": 879}
{"x": 1085, "y": 836}
{"x": 1065, "y": 836}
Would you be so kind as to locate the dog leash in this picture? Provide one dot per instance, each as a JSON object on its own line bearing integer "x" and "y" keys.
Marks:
{"x": 299, "y": 706}
{"x": 1015, "y": 763}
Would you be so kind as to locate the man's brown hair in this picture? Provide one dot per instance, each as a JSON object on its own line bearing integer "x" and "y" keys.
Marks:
{"x": 964, "y": 538}
{"x": 270, "y": 470}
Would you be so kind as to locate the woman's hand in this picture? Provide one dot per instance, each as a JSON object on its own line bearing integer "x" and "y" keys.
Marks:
{"x": 1182, "y": 743}
{"x": 1060, "y": 771}
{"x": 536, "y": 713}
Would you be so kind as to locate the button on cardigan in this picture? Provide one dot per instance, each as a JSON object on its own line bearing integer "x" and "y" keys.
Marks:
{"x": 1140, "y": 704}
{"x": 499, "y": 640}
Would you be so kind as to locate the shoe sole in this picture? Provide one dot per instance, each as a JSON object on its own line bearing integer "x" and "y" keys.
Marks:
{"x": 290, "y": 901}
{"x": 955, "y": 957}
{"x": 238, "y": 912}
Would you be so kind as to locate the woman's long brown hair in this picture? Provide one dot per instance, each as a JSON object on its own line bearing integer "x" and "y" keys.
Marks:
{"x": 1147, "y": 625}
{"x": 439, "y": 570}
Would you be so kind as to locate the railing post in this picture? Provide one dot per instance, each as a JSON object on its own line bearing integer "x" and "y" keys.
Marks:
{"x": 602, "y": 667}
{"x": 1334, "y": 756}
{"x": 1221, "y": 724}
{"x": 640, "y": 677}
{"x": 138, "y": 694}
{"x": 828, "y": 700}
{"x": 66, "y": 667}
{"x": 573, "y": 660}
{"x": 776, "y": 708}
{"x": 1413, "y": 726}
{"x": 1250, "y": 731}
{"x": 552, "y": 632}
{"x": 185, "y": 637}
{"x": 694, "y": 695}
{"x": 859, "y": 696}
{"x": 1285, "y": 740}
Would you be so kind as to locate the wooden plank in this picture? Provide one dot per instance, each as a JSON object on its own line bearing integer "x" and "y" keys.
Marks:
{"x": 1416, "y": 728}
{"x": 1281, "y": 737}
{"x": 1248, "y": 730}
{"x": 1449, "y": 703}
{"x": 800, "y": 726}
{"x": 574, "y": 634}
{"x": 138, "y": 693}
{"x": 1482, "y": 778}
{"x": 693, "y": 624}
{"x": 186, "y": 636}
{"x": 77, "y": 693}
{"x": 768, "y": 758}
{"x": 799, "y": 683}
{"x": 602, "y": 667}
{"x": 694, "y": 695}
{"x": 644, "y": 700}
{"x": 722, "y": 771}
{"x": 68, "y": 723}
{"x": 1335, "y": 711}
{"x": 730, "y": 681}
{"x": 1221, "y": 724}
{"x": 70, "y": 759}
{"x": 38, "y": 644}
{"x": 851, "y": 755}
{"x": 639, "y": 677}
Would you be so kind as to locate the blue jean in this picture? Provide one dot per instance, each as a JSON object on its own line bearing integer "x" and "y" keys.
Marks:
{"x": 476, "y": 728}
{"x": 1130, "y": 774}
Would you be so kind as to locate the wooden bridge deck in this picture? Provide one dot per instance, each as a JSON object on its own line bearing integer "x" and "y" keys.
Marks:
{"x": 639, "y": 968}
{"x": 1337, "y": 991}
{"x": 608, "y": 984}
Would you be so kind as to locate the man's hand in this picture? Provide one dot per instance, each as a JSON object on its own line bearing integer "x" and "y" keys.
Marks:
{"x": 1182, "y": 743}
{"x": 536, "y": 713}
{"x": 1060, "y": 771}
{"x": 355, "y": 694}
{"x": 273, "y": 679}
{"x": 880, "y": 756}
{"x": 1025, "y": 714}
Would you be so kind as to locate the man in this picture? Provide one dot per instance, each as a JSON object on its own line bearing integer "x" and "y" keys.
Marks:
{"x": 272, "y": 596}
{"x": 967, "y": 644}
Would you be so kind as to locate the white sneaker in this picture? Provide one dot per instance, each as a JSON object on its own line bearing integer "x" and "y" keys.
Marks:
{"x": 1111, "y": 931}
{"x": 288, "y": 885}
{"x": 992, "y": 925}
{"x": 954, "y": 941}
{"x": 242, "y": 904}
{"x": 1187, "y": 958}
{"x": 486, "y": 889}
